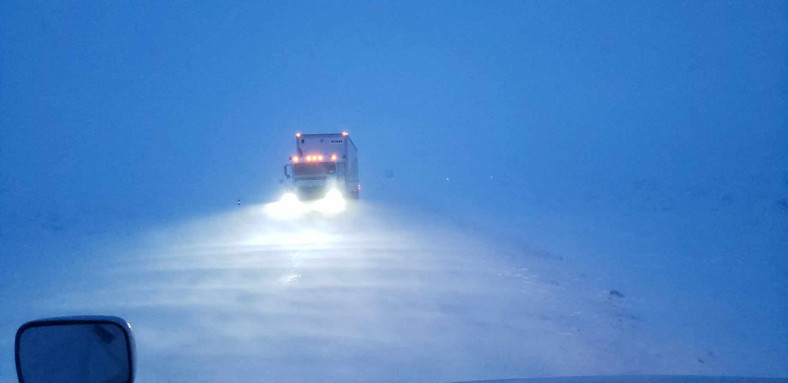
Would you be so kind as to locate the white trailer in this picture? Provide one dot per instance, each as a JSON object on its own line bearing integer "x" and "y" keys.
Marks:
{"x": 324, "y": 162}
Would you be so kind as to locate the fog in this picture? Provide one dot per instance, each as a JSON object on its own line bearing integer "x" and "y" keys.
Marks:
{"x": 547, "y": 189}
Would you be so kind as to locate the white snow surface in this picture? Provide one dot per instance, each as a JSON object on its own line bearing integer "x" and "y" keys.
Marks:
{"x": 387, "y": 294}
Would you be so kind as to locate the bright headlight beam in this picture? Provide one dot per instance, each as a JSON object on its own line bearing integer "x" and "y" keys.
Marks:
{"x": 332, "y": 203}
{"x": 289, "y": 207}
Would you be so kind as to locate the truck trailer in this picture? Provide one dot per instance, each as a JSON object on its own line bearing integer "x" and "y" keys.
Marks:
{"x": 324, "y": 162}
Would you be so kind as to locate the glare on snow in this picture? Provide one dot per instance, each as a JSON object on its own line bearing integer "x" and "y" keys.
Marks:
{"x": 289, "y": 207}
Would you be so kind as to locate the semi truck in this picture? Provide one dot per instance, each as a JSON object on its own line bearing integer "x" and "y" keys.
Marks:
{"x": 322, "y": 163}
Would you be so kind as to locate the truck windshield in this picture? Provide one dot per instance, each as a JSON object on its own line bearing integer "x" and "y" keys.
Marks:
{"x": 314, "y": 169}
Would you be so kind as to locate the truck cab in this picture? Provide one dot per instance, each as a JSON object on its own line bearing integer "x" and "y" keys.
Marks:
{"x": 324, "y": 162}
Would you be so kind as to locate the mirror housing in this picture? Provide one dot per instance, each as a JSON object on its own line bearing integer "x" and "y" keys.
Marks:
{"x": 288, "y": 170}
{"x": 84, "y": 349}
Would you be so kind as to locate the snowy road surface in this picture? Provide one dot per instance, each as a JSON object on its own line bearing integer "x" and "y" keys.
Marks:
{"x": 373, "y": 295}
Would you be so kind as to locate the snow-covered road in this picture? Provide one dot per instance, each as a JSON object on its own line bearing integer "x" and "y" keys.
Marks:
{"x": 372, "y": 295}
{"x": 375, "y": 294}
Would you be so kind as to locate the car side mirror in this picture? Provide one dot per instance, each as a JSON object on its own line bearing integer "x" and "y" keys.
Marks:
{"x": 86, "y": 349}
{"x": 288, "y": 170}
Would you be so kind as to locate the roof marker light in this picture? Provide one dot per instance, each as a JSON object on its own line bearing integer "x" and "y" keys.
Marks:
{"x": 295, "y": 158}
{"x": 333, "y": 157}
{"x": 298, "y": 135}
{"x": 344, "y": 134}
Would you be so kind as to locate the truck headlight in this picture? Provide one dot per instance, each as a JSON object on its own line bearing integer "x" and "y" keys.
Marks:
{"x": 332, "y": 203}
{"x": 287, "y": 207}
